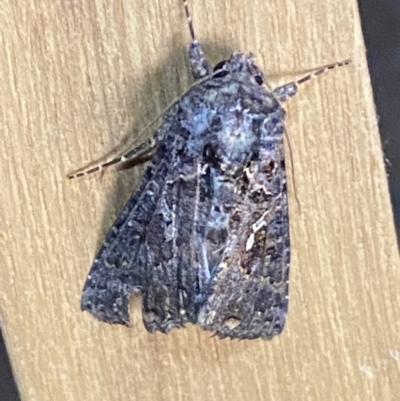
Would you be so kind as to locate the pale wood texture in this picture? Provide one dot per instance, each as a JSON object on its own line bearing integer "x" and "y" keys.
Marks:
{"x": 77, "y": 77}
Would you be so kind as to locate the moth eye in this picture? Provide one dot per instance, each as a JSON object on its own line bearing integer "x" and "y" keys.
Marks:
{"x": 258, "y": 79}
{"x": 220, "y": 65}
{"x": 218, "y": 71}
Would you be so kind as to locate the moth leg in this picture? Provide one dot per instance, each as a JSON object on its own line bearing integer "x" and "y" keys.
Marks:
{"x": 282, "y": 93}
{"x": 198, "y": 62}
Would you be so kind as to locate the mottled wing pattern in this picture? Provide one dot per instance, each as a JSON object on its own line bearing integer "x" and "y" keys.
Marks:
{"x": 123, "y": 264}
{"x": 247, "y": 295}
{"x": 156, "y": 244}
{"x": 171, "y": 296}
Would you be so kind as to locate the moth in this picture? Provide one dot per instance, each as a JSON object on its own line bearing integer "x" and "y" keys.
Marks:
{"x": 205, "y": 238}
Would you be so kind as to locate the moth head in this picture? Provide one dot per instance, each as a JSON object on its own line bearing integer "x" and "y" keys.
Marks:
{"x": 239, "y": 63}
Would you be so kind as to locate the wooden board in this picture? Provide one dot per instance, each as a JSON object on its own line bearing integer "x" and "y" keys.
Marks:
{"x": 81, "y": 78}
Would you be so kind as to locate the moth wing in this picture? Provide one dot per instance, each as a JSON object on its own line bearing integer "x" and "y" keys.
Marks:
{"x": 247, "y": 296}
{"x": 150, "y": 247}
{"x": 177, "y": 233}
{"x": 121, "y": 266}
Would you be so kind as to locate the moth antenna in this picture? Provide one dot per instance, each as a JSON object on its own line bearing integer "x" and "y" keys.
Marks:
{"x": 197, "y": 59}
{"x": 135, "y": 152}
{"x": 321, "y": 70}
{"x": 282, "y": 93}
{"x": 130, "y": 155}
{"x": 189, "y": 21}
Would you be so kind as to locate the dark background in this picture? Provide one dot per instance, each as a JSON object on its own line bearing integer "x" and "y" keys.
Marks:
{"x": 381, "y": 27}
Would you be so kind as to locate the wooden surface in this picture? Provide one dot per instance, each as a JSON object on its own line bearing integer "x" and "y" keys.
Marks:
{"x": 81, "y": 78}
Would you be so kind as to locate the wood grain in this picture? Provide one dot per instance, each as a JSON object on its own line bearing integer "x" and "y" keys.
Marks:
{"x": 81, "y": 78}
